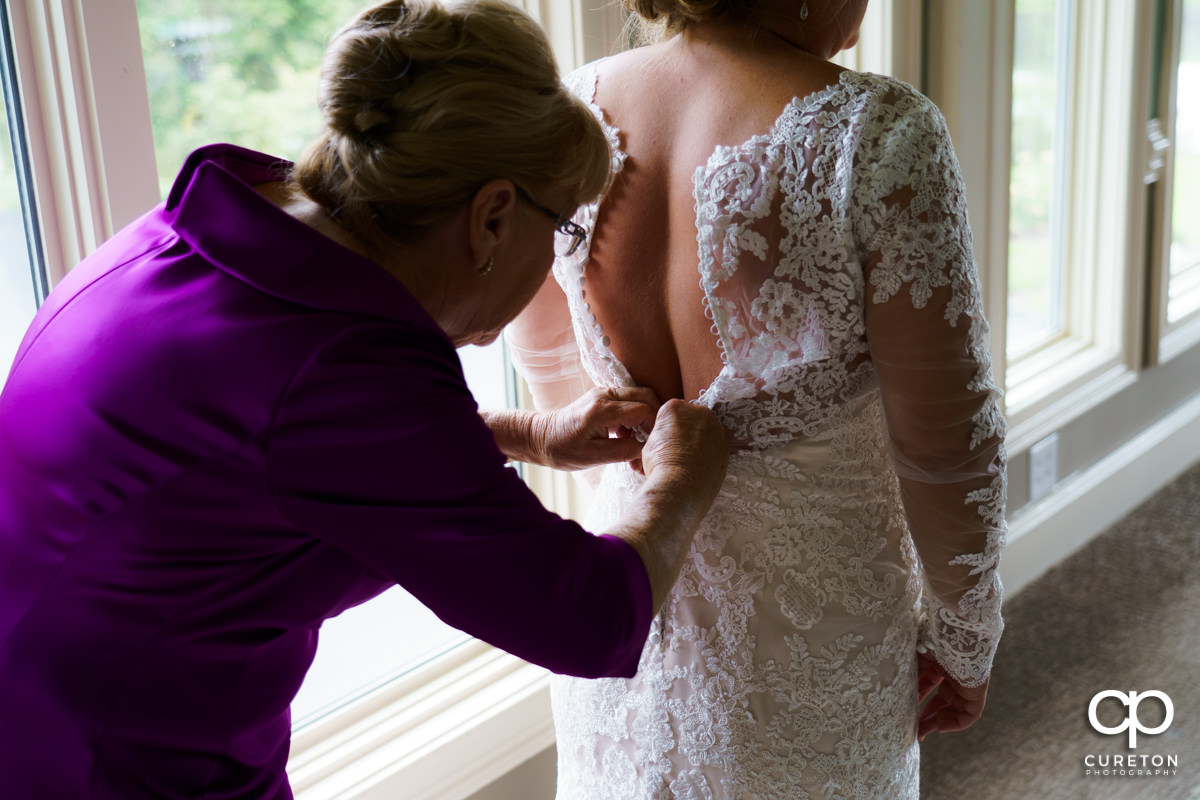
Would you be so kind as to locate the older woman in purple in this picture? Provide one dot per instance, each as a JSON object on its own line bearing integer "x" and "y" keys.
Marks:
{"x": 244, "y": 414}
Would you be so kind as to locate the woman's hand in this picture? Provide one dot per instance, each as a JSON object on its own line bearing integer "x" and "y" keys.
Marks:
{"x": 688, "y": 448}
{"x": 948, "y": 705}
{"x": 684, "y": 460}
{"x": 602, "y": 426}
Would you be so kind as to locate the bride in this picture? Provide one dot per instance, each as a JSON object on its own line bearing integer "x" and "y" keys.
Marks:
{"x": 787, "y": 243}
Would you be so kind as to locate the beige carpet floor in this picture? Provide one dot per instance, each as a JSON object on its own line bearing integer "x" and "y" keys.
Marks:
{"x": 1123, "y": 614}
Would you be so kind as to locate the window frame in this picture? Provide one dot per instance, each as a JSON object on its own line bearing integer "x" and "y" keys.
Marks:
{"x": 18, "y": 137}
{"x": 87, "y": 122}
{"x": 92, "y": 167}
{"x": 1166, "y": 339}
{"x": 971, "y": 56}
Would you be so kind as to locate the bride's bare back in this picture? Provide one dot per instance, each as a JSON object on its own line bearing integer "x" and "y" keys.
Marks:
{"x": 674, "y": 103}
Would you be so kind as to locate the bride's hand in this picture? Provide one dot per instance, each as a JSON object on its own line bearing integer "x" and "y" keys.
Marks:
{"x": 949, "y": 706}
{"x": 598, "y": 428}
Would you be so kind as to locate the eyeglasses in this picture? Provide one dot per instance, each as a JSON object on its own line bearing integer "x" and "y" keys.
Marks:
{"x": 567, "y": 235}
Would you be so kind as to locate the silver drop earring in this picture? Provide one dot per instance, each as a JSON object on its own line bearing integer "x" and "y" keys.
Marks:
{"x": 804, "y": 11}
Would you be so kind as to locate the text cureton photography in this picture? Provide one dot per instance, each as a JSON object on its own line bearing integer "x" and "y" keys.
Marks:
{"x": 1120, "y": 764}
{"x": 1123, "y": 709}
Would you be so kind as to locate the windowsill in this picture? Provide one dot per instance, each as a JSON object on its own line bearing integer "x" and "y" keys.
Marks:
{"x": 416, "y": 737}
{"x": 1182, "y": 337}
{"x": 1057, "y": 386}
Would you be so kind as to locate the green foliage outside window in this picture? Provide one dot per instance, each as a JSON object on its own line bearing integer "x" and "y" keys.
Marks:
{"x": 238, "y": 71}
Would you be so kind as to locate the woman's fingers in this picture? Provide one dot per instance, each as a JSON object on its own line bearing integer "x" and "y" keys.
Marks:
{"x": 689, "y": 444}
{"x": 617, "y": 448}
{"x": 631, "y": 408}
{"x": 581, "y": 434}
{"x": 634, "y": 394}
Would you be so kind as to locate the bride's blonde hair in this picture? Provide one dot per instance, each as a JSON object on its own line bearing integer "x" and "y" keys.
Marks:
{"x": 672, "y": 16}
{"x": 654, "y": 20}
{"x": 424, "y": 102}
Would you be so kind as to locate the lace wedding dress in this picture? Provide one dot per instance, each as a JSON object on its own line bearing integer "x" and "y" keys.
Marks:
{"x": 865, "y": 518}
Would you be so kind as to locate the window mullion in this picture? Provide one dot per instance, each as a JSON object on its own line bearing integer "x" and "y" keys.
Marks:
{"x": 1100, "y": 337}
{"x": 969, "y": 53}
{"x": 16, "y": 126}
{"x": 91, "y": 151}
{"x": 1175, "y": 292}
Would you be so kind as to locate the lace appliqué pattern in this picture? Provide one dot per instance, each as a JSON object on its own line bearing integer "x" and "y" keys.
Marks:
{"x": 783, "y": 663}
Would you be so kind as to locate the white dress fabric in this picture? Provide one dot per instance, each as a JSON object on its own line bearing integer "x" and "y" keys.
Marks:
{"x": 865, "y": 518}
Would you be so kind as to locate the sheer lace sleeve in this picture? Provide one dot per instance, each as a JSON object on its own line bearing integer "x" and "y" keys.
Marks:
{"x": 928, "y": 342}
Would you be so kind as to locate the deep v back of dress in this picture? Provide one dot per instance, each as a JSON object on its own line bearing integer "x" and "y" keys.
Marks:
{"x": 641, "y": 270}
{"x": 830, "y": 266}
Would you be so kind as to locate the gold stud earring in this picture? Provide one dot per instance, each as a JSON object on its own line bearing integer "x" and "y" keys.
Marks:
{"x": 486, "y": 268}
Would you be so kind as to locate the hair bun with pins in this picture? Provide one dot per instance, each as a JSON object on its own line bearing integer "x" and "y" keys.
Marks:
{"x": 426, "y": 101}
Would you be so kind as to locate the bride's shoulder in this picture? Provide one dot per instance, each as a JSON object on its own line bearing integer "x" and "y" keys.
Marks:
{"x": 617, "y": 82}
{"x": 874, "y": 93}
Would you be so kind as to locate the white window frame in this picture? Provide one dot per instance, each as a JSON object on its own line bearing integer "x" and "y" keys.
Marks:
{"x": 971, "y": 57}
{"x": 1166, "y": 339}
{"x": 17, "y": 134}
{"x": 889, "y": 41}
{"x": 87, "y": 116}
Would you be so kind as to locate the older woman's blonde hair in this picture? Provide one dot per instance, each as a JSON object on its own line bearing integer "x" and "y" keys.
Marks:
{"x": 426, "y": 101}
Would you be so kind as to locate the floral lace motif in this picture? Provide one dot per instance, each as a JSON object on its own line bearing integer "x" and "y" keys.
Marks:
{"x": 783, "y": 663}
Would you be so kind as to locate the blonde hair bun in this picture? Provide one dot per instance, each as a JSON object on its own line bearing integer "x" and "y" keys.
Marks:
{"x": 675, "y": 15}
{"x": 425, "y": 101}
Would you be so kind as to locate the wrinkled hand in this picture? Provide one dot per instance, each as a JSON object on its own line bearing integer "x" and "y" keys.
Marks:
{"x": 949, "y": 706}
{"x": 598, "y": 428}
{"x": 688, "y": 448}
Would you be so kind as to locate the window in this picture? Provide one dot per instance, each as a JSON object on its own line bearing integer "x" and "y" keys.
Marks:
{"x": 1037, "y": 196}
{"x": 1175, "y": 136}
{"x": 216, "y": 72}
{"x": 94, "y": 165}
{"x": 1184, "y": 256}
{"x": 21, "y": 283}
{"x": 239, "y": 71}
{"x": 1053, "y": 171}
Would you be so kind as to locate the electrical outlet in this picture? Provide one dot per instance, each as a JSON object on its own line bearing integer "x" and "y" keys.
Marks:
{"x": 1043, "y": 467}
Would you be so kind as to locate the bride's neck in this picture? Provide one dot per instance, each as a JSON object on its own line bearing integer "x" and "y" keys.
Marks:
{"x": 754, "y": 35}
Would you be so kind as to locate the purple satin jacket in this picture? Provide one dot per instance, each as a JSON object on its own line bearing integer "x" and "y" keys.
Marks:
{"x": 222, "y": 429}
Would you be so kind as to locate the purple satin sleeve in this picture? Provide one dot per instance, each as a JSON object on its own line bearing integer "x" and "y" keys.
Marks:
{"x": 379, "y": 450}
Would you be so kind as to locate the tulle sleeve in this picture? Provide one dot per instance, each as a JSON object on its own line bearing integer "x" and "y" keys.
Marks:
{"x": 544, "y": 350}
{"x": 928, "y": 342}
{"x": 543, "y": 341}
